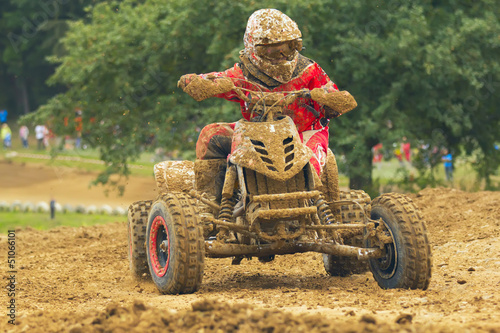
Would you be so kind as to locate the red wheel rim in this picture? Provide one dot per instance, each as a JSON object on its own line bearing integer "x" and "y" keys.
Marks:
{"x": 158, "y": 235}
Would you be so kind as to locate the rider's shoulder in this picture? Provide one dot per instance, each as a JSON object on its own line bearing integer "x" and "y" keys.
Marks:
{"x": 305, "y": 60}
{"x": 304, "y": 65}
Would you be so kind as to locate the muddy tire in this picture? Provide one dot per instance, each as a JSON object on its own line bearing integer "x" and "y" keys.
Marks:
{"x": 136, "y": 224}
{"x": 175, "y": 244}
{"x": 407, "y": 263}
{"x": 342, "y": 265}
{"x": 354, "y": 213}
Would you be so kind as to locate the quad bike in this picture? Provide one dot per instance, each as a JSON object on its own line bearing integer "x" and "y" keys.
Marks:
{"x": 266, "y": 200}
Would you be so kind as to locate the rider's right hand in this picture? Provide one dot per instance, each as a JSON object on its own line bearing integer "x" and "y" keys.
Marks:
{"x": 202, "y": 88}
{"x": 185, "y": 80}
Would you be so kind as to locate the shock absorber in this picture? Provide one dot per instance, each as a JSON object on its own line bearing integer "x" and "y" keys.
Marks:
{"x": 228, "y": 197}
{"x": 326, "y": 217}
{"x": 226, "y": 208}
{"x": 227, "y": 204}
{"x": 225, "y": 214}
{"x": 324, "y": 212}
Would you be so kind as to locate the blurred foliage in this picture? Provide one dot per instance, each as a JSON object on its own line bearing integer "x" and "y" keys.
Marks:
{"x": 414, "y": 67}
{"x": 29, "y": 32}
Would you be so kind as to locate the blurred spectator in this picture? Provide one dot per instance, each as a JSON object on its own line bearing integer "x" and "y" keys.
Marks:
{"x": 40, "y": 132}
{"x": 78, "y": 128}
{"x": 406, "y": 148}
{"x": 397, "y": 153}
{"x": 448, "y": 164}
{"x": 6, "y": 135}
{"x": 377, "y": 153}
{"x": 23, "y": 134}
{"x": 48, "y": 135}
{"x": 3, "y": 116}
{"x": 425, "y": 154}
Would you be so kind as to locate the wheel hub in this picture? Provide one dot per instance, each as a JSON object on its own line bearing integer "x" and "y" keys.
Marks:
{"x": 164, "y": 246}
{"x": 387, "y": 264}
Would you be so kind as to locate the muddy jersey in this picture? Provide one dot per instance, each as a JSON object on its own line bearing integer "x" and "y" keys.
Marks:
{"x": 307, "y": 74}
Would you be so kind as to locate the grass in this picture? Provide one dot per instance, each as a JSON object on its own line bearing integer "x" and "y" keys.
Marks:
{"x": 83, "y": 159}
{"x": 42, "y": 221}
{"x": 464, "y": 175}
{"x": 144, "y": 170}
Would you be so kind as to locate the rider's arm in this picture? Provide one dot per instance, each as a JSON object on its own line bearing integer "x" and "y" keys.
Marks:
{"x": 335, "y": 103}
{"x": 215, "y": 84}
{"x": 326, "y": 93}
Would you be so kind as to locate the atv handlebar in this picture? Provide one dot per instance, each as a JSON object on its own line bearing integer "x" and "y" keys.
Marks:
{"x": 266, "y": 103}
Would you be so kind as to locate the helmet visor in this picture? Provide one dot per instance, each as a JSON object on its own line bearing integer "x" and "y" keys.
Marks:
{"x": 279, "y": 51}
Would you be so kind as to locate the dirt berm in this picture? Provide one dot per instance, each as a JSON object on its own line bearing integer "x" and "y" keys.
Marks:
{"x": 77, "y": 280}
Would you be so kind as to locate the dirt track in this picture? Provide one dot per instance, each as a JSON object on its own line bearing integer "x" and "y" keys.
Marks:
{"x": 77, "y": 280}
{"x": 34, "y": 183}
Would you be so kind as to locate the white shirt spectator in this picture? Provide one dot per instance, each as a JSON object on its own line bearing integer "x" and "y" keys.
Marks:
{"x": 40, "y": 131}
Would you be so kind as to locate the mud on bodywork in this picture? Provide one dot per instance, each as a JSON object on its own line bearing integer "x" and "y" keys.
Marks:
{"x": 174, "y": 176}
{"x": 261, "y": 155}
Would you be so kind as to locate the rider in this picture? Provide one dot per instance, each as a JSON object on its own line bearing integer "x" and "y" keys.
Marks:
{"x": 271, "y": 62}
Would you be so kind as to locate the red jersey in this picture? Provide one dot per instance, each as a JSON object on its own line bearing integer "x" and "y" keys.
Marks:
{"x": 310, "y": 77}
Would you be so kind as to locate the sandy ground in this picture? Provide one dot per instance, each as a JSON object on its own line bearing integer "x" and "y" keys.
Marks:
{"x": 78, "y": 280}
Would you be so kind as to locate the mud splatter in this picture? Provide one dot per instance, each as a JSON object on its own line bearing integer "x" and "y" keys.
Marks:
{"x": 201, "y": 89}
{"x": 270, "y": 26}
{"x": 67, "y": 283}
{"x": 174, "y": 176}
{"x": 339, "y": 101}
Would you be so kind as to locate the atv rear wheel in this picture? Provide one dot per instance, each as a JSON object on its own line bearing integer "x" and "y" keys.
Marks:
{"x": 351, "y": 213}
{"x": 407, "y": 263}
{"x": 136, "y": 225}
{"x": 175, "y": 245}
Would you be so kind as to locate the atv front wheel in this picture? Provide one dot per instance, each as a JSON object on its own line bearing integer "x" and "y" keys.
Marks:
{"x": 175, "y": 245}
{"x": 407, "y": 261}
{"x": 136, "y": 225}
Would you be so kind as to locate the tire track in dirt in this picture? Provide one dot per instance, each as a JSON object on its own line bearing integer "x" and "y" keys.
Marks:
{"x": 77, "y": 279}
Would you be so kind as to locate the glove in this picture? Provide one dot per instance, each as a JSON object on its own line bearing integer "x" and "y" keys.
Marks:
{"x": 336, "y": 102}
{"x": 185, "y": 80}
{"x": 200, "y": 88}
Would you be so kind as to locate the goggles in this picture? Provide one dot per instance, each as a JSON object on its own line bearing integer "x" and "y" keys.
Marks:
{"x": 279, "y": 51}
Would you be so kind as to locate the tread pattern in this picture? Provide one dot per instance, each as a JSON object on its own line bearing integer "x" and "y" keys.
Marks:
{"x": 354, "y": 213}
{"x": 137, "y": 223}
{"x": 342, "y": 265}
{"x": 189, "y": 244}
{"x": 414, "y": 231}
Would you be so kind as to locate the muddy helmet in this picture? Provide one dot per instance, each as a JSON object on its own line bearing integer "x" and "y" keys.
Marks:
{"x": 272, "y": 43}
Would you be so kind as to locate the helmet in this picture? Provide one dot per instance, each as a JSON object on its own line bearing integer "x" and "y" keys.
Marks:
{"x": 272, "y": 43}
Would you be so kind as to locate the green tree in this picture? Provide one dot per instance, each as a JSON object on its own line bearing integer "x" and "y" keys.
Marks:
{"x": 418, "y": 66}
{"x": 29, "y": 32}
